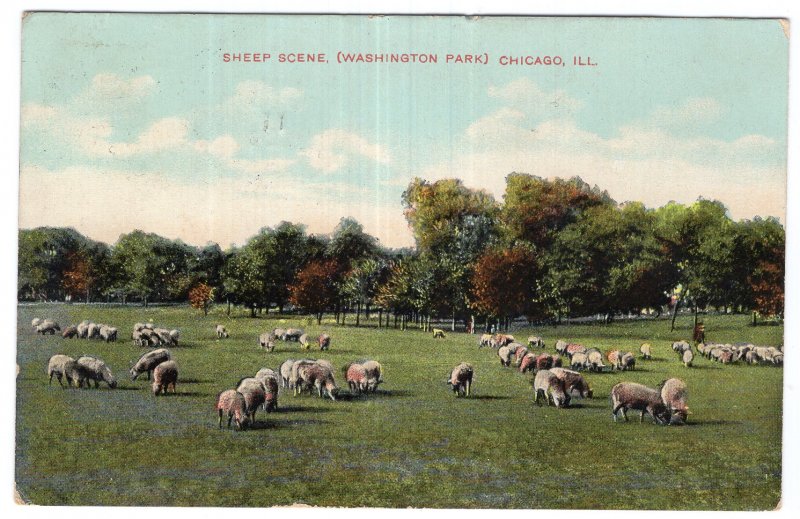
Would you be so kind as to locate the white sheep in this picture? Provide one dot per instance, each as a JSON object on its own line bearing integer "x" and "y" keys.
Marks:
{"x": 546, "y": 384}
{"x": 97, "y": 371}
{"x": 165, "y": 375}
{"x": 222, "y": 333}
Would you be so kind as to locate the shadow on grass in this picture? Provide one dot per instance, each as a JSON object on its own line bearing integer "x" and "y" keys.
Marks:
{"x": 298, "y": 409}
{"x": 700, "y": 423}
{"x": 705, "y": 366}
{"x": 196, "y": 381}
{"x": 487, "y": 397}
{"x": 184, "y": 394}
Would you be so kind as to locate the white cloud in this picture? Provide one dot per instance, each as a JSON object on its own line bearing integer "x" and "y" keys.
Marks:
{"x": 691, "y": 112}
{"x": 528, "y": 96}
{"x": 114, "y": 87}
{"x": 333, "y": 149}
{"x": 221, "y": 147}
{"x": 253, "y": 95}
{"x": 261, "y": 165}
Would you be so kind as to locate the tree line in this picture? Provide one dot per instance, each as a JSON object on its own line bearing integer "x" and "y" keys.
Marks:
{"x": 550, "y": 249}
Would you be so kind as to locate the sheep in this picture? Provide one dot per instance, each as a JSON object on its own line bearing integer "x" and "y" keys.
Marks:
{"x": 294, "y": 376}
{"x": 138, "y": 327}
{"x": 255, "y": 394}
{"x": 83, "y": 329}
{"x": 535, "y": 342}
{"x": 292, "y": 334}
{"x": 374, "y": 374}
{"x": 286, "y": 372}
{"x": 561, "y": 346}
{"x": 138, "y": 340}
{"x": 557, "y": 363}
{"x": 70, "y": 332}
{"x": 36, "y": 322}
{"x": 267, "y": 341}
{"x": 279, "y": 333}
{"x": 324, "y": 341}
{"x": 574, "y": 383}
{"x": 153, "y": 340}
{"x": 681, "y": 346}
{"x": 48, "y": 326}
{"x": 501, "y": 339}
{"x": 438, "y": 333}
{"x": 271, "y": 397}
{"x": 751, "y": 357}
{"x": 319, "y": 377}
{"x": 630, "y": 395}
{"x": 688, "y": 357}
{"x": 92, "y": 331}
{"x": 504, "y": 352}
{"x": 546, "y": 384}
{"x": 164, "y": 335}
{"x": 303, "y": 340}
{"x": 778, "y": 359}
{"x": 627, "y": 362}
{"x": 232, "y": 404}
{"x": 461, "y": 379}
{"x": 645, "y": 350}
{"x": 164, "y": 376}
{"x": 356, "y": 377}
{"x": 578, "y": 361}
{"x": 674, "y": 396}
{"x": 57, "y": 366}
{"x": 615, "y": 358}
{"x": 572, "y": 349}
{"x": 485, "y": 340}
{"x": 108, "y": 333}
{"x": 97, "y": 371}
{"x": 519, "y": 353}
{"x": 174, "y": 335}
{"x": 528, "y": 363}
{"x": 148, "y": 362}
{"x": 221, "y": 332}
{"x": 594, "y": 361}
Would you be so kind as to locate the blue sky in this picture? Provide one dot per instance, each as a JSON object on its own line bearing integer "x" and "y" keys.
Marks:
{"x": 136, "y": 119}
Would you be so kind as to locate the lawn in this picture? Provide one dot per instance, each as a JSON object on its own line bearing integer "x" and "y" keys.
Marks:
{"x": 412, "y": 443}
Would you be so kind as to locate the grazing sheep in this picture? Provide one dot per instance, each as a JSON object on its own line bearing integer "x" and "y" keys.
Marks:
{"x": 578, "y": 361}
{"x": 148, "y": 362}
{"x": 93, "y": 331}
{"x": 374, "y": 374}
{"x": 645, "y": 350}
{"x": 271, "y": 396}
{"x": 279, "y": 333}
{"x": 615, "y": 358}
{"x": 48, "y": 326}
{"x": 535, "y": 342}
{"x": 303, "y": 340}
{"x": 164, "y": 335}
{"x": 319, "y": 377}
{"x": 231, "y": 403}
{"x": 356, "y": 377}
{"x": 501, "y": 339}
{"x": 83, "y": 329}
{"x": 286, "y": 372}
{"x": 594, "y": 361}
{"x": 174, "y": 335}
{"x": 688, "y": 357}
{"x": 108, "y": 333}
{"x": 138, "y": 327}
{"x": 627, "y": 362}
{"x": 324, "y": 341}
{"x": 70, "y": 332}
{"x": 561, "y": 346}
{"x": 504, "y": 352}
{"x": 57, "y": 366}
{"x": 674, "y": 396}
{"x": 294, "y": 376}
{"x": 255, "y": 394}
{"x": 751, "y": 357}
{"x": 557, "y": 363}
{"x": 574, "y": 383}
{"x": 164, "y": 376}
{"x": 267, "y": 341}
{"x": 681, "y": 346}
{"x": 630, "y": 395}
{"x": 572, "y": 349}
{"x": 461, "y": 379}
{"x": 528, "y": 363}
{"x": 438, "y": 333}
{"x": 138, "y": 340}
{"x": 519, "y": 353}
{"x": 36, "y": 322}
{"x": 778, "y": 359}
{"x": 222, "y": 333}
{"x": 486, "y": 340}
{"x": 98, "y": 371}
{"x": 293, "y": 334}
{"x": 546, "y": 384}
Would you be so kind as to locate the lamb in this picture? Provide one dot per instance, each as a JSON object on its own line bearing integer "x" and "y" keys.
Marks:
{"x": 574, "y": 383}
{"x": 645, "y": 350}
{"x": 356, "y": 377}
{"x": 292, "y": 334}
{"x": 98, "y": 371}
{"x": 61, "y": 366}
{"x": 148, "y": 362}
{"x": 232, "y": 404}
{"x": 546, "y": 384}
{"x": 70, "y": 332}
{"x": 324, "y": 341}
{"x": 504, "y": 352}
{"x": 561, "y": 346}
{"x": 255, "y": 394}
{"x": 438, "y": 333}
{"x": 303, "y": 340}
{"x": 286, "y": 372}
{"x": 48, "y": 326}
{"x": 486, "y": 340}
{"x": 627, "y": 362}
{"x": 674, "y": 396}
{"x": 222, "y": 333}
{"x": 108, "y": 333}
{"x": 630, "y": 395}
{"x": 374, "y": 374}
{"x": 594, "y": 361}
{"x": 164, "y": 376}
{"x": 267, "y": 341}
{"x": 319, "y": 377}
{"x": 461, "y": 379}
{"x": 535, "y": 342}
{"x": 578, "y": 361}
{"x": 688, "y": 357}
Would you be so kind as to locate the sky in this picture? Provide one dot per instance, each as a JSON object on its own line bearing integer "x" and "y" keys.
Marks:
{"x": 135, "y": 122}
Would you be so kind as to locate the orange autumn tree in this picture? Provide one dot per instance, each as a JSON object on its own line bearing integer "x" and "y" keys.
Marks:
{"x": 77, "y": 277}
{"x": 201, "y": 296}
{"x": 315, "y": 288}
{"x": 767, "y": 284}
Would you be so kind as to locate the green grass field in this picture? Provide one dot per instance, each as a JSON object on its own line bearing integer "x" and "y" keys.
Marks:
{"x": 412, "y": 443}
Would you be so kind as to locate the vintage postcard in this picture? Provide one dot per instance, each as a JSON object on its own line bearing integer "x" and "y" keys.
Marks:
{"x": 401, "y": 261}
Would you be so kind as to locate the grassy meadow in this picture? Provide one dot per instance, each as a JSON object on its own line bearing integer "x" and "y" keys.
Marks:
{"x": 412, "y": 443}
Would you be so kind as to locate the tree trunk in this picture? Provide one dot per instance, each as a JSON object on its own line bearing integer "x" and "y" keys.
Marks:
{"x": 252, "y": 311}
{"x": 229, "y": 306}
{"x": 358, "y": 314}
{"x": 674, "y": 315}
{"x": 319, "y": 318}
{"x": 380, "y": 318}
{"x": 366, "y": 311}
{"x": 754, "y": 318}
{"x": 695, "y": 317}
{"x": 453, "y": 322}
{"x": 280, "y": 308}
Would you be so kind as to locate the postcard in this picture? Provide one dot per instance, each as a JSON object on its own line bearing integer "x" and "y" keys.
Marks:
{"x": 401, "y": 261}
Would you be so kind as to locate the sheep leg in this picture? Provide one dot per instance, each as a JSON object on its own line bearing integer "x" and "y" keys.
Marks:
{"x": 469, "y": 386}
{"x": 220, "y": 418}
{"x": 230, "y": 419}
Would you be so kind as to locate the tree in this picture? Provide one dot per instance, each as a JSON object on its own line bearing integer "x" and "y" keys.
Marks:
{"x": 349, "y": 244}
{"x": 315, "y": 288}
{"x": 201, "y": 296}
{"x": 504, "y": 283}
{"x": 242, "y": 278}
